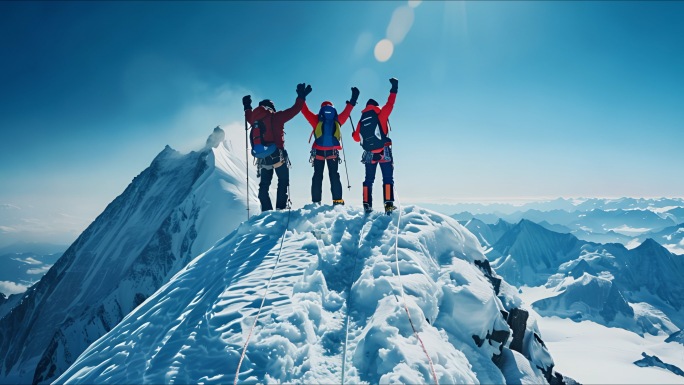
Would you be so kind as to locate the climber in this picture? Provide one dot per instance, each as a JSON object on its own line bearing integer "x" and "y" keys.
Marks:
{"x": 267, "y": 137}
{"x": 326, "y": 146}
{"x": 372, "y": 131}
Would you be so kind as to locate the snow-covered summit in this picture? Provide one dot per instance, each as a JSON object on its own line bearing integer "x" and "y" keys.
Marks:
{"x": 334, "y": 309}
{"x": 174, "y": 210}
{"x": 528, "y": 253}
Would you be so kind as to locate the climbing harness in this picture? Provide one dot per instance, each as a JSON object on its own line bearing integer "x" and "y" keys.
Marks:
{"x": 324, "y": 155}
{"x": 278, "y": 159}
{"x": 263, "y": 298}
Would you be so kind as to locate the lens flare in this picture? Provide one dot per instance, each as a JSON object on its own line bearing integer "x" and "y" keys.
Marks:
{"x": 383, "y": 50}
{"x": 400, "y": 24}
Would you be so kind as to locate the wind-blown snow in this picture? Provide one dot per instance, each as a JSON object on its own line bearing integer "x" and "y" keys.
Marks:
{"x": 335, "y": 262}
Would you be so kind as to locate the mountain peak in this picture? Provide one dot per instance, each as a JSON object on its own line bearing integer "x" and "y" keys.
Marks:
{"x": 651, "y": 245}
{"x": 171, "y": 212}
{"x": 528, "y": 223}
{"x": 167, "y": 153}
{"x": 216, "y": 137}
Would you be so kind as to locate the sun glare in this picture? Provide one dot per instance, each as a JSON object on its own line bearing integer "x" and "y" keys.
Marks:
{"x": 383, "y": 50}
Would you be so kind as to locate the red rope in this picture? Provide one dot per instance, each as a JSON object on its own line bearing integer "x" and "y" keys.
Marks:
{"x": 401, "y": 286}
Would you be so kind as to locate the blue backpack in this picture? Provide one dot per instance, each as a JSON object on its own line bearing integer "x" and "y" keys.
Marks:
{"x": 327, "y": 131}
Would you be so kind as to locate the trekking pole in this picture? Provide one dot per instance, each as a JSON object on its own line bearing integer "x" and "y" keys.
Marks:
{"x": 344, "y": 155}
{"x": 247, "y": 164}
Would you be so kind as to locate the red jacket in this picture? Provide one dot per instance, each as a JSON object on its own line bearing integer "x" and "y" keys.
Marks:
{"x": 383, "y": 116}
{"x": 313, "y": 121}
{"x": 274, "y": 121}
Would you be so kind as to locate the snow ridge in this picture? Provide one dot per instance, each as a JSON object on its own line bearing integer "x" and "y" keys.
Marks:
{"x": 192, "y": 330}
{"x": 175, "y": 209}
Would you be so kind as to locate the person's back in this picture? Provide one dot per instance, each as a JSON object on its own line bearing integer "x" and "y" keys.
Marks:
{"x": 273, "y": 123}
{"x": 326, "y": 127}
{"x": 372, "y": 131}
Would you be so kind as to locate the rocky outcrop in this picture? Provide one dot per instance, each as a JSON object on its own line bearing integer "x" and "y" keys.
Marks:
{"x": 654, "y": 361}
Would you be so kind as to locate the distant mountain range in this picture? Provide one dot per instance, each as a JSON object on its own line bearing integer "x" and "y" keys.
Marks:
{"x": 33, "y": 247}
{"x": 639, "y": 289}
{"x": 566, "y": 204}
{"x": 627, "y": 221}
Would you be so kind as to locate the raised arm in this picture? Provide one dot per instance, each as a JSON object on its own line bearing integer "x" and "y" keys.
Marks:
{"x": 247, "y": 104}
{"x": 389, "y": 106}
{"x": 342, "y": 118}
{"x": 310, "y": 116}
{"x": 285, "y": 115}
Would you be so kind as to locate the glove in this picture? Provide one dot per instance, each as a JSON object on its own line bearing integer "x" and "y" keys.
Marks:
{"x": 303, "y": 90}
{"x": 355, "y": 95}
{"x": 247, "y": 102}
{"x": 395, "y": 85}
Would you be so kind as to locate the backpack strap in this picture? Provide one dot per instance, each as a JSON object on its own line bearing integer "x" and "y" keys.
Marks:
{"x": 312, "y": 134}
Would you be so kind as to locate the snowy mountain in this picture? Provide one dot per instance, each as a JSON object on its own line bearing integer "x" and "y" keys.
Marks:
{"x": 329, "y": 295}
{"x": 638, "y": 289}
{"x": 564, "y": 204}
{"x": 170, "y": 213}
{"x": 528, "y": 253}
{"x": 627, "y": 220}
{"x": 588, "y": 297}
{"x": 651, "y": 273}
{"x": 672, "y": 238}
{"x": 487, "y": 234}
{"x": 676, "y": 213}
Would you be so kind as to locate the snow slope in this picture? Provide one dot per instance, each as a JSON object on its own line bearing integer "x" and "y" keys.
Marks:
{"x": 174, "y": 210}
{"x": 598, "y": 354}
{"x": 333, "y": 270}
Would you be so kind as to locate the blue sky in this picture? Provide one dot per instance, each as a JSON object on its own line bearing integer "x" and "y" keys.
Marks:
{"x": 497, "y": 100}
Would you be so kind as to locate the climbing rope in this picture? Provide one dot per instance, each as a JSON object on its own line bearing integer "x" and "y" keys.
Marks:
{"x": 247, "y": 163}
{"x": 349, "y": 306}
{"x": 263, "y": 299}
{"x": 401, "y": 287}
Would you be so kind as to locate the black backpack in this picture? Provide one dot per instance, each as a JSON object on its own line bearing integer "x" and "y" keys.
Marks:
{"x": 371, "y": 133}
